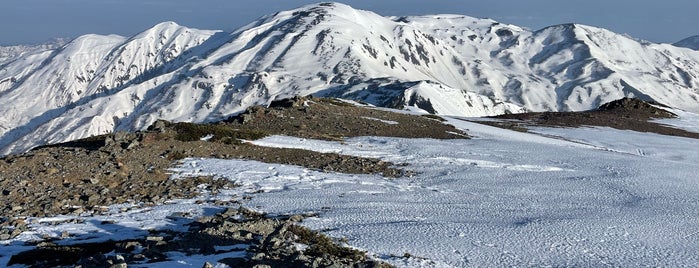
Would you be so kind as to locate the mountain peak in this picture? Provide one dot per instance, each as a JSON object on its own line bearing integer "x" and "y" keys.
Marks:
{"x": 572, "y": 27}
{"x": 167, "y": 28}
{"x": 166, "y": 24}
{"x": 691, "y": 42}
{"x": 446, "y": 64}
{"x": 327, "y": 6}
{"x": 324, "y": 10}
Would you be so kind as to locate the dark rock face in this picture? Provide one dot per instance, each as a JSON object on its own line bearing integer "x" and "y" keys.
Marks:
{"x": 633, "y": 104}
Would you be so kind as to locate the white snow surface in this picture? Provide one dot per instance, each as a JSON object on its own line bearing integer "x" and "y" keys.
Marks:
{"x": 445, "y": 64}
{"x": 9, "y": 53}
{"x": 685, "y": 120}
{"x": 585, "y": 197}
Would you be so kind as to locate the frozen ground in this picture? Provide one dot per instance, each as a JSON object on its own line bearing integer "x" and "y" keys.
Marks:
{"x": 566, "y": 197}
{"x": 687, "y": 120}
{"x": 508, "y": 198}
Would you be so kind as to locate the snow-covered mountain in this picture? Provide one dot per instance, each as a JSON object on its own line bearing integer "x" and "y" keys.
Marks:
{"x": 8, "y": 53}
{"x": 445, "y": 64}
{"x": 691, "y": 42}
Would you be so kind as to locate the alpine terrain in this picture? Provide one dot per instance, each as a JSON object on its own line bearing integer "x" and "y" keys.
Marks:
{"x": 327, "y": 136}
{"x": 443, "y": 64}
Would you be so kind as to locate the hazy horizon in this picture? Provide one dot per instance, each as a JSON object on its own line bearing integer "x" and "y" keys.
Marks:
{"x": 36, "y": 21}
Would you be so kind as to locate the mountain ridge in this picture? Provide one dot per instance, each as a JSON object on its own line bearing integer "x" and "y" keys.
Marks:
{"x": 691, "y": 42}
{"x": 445, "y": 64}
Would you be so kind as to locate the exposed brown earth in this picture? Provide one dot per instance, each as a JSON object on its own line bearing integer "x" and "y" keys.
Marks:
{"x": 333, "y": 120}
{"x": 627, "y": 114}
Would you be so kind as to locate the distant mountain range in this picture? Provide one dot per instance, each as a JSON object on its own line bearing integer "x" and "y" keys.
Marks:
{"x": 10, "y": 53}
{"x": 444, "y": 64}
{"x": 691, "y": 42}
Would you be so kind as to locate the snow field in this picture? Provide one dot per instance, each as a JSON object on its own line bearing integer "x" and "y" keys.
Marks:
{"x": 494, "y": 202}
{"x": 574, "y": 197}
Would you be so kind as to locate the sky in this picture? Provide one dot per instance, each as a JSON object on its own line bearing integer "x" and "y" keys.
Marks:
{"x": 35, "y": 21}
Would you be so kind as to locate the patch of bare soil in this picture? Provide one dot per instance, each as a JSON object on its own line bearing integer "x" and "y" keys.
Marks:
{"x": 626, "y": 113}
{"x": 334, "y": 120}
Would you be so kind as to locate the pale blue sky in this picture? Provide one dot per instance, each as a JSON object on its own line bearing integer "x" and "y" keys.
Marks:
{"x": 33, "y": 21}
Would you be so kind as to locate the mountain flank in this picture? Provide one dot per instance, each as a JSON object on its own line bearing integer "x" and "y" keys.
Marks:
{"x": 444, "y": 64}
{"x": 85, "y": 176}
{"x": 691, "y": 42}
{"x": 97, "y": 125}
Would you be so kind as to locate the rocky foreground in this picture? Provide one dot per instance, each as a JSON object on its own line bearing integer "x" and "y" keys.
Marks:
{"x": 84, "y": 177}
{"x": 268, "y": 242}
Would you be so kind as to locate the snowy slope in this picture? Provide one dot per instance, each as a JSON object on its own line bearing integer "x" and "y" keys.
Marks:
{"x": 499, "y": 200}
{"x": 502, "y": 199}
{"x": 9, "y": 53}
{"x": 445, "y": 64}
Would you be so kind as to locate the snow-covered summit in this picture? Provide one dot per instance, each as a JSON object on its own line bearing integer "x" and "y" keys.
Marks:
{"x": 446, "y": 64}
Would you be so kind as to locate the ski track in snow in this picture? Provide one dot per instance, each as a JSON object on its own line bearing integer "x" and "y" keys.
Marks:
{"x": 503, "y": 198}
